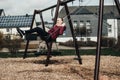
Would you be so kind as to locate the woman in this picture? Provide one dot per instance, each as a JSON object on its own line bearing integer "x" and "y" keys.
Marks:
{"x": 51, "y": 35}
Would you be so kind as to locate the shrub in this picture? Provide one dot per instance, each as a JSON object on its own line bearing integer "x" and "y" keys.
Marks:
{"x": 91, "y": 43}
{"x": 12, "y": 45}
{"x": 108, "y": 42}
{"x": 117, "y": 47}
{"x": 70, "y": 43}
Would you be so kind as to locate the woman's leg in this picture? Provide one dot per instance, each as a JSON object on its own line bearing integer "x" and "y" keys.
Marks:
{"x": 39, "y": 31}
{"x": 36, "y": 29}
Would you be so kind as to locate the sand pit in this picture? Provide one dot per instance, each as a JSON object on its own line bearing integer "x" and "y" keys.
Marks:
{"x": 60, "y": 68}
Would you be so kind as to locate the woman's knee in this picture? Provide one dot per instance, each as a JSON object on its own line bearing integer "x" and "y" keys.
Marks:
{"x": 38, "y": 28}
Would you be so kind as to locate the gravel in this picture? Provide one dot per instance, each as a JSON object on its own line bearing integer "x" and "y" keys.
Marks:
{"x": 60, "y": 68}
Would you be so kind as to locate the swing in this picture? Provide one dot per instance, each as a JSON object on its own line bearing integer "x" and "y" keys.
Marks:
{"x": 49, "y": 45}
{"x": 41, "y": 50}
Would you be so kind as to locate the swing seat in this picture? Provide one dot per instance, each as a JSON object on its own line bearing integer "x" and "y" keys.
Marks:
{"x": 31, "y": 37}
{"x": 34, "y": 37}
{"x": 41, "y": 50}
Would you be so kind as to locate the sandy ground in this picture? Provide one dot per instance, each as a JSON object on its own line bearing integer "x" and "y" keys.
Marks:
{"x": 60, "y": 68}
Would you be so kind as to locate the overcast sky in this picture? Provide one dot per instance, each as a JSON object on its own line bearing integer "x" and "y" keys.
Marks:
{"x": 22, "y": 7}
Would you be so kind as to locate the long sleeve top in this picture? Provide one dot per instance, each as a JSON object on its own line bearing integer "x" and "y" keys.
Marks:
{"x": 56, "y": 31}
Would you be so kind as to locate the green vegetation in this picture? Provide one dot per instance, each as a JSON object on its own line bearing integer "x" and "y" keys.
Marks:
{"x": 15, "y": 55}
{"x": 107, "y": 51}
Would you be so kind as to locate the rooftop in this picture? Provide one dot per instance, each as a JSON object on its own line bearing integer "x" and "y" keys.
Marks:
{"x": 16, "y": 21}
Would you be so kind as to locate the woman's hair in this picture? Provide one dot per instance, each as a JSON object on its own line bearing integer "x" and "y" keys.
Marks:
{"x": 62, "y": 19}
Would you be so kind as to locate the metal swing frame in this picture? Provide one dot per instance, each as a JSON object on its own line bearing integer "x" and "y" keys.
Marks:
{"x": 99, "y": 36}
{"x": 49, "y": 45}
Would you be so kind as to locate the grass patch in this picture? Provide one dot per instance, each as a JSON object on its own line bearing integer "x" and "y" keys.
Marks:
{"x": 110, "y": 51}
{"x": 17, "y": 55}
{"x": 106, "y": 51}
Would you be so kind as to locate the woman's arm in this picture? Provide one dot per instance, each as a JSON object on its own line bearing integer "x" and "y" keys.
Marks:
{"x": 62, "y": 29}
{"x": 51, "y": 30}
{"x": 63, "y": 24}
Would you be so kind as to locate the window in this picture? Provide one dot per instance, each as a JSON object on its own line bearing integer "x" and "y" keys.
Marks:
{"x": 82, "y": 39}
{"x": 88, "y": 26}
{"x": 7, "y": 30}
{"x": 88, "y": 23}
{"x": 109, "y": 30}
{"x": 74, "y": 24}
{"x": 109, "y": 26}
{"x": 88, "y": 39}
{"x": 75, "y": 21}
{"x": 81, "y": 23}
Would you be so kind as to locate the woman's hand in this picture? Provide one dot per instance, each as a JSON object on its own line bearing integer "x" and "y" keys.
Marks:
{"x": 63, "y": 24}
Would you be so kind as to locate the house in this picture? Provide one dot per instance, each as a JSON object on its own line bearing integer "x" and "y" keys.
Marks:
{"x": 8, "y": 24}
{"x": 85, "y": 22}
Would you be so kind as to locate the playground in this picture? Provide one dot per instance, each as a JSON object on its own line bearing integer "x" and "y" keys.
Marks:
{"x": 74, "y": 67}
{"x": 60, "y": 68}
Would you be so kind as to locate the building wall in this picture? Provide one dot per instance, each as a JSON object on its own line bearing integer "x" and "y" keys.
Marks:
{"x": 110, "y": 12}
{"x": 12, "y": 32}
{"x": 93, "y": 25}
{"x": 118, "y": 23}
{"x": 65, "y": 39}
{"x": 113, "y": 29}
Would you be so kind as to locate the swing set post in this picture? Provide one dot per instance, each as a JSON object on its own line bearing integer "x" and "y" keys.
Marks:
{"x": 42, "y": 21}
{"x": 49, "y": 45}
{"x": 62, "y": 3}
{"x": 117, "y": 5}
{"x": 72, "y": 31}
{"x": 27, "y": 44}
{"x": 99, "y": 37}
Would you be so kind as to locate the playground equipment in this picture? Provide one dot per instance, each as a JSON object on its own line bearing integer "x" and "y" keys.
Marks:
{"x": 49, "y": 45}
{"x": 99, "y": 35}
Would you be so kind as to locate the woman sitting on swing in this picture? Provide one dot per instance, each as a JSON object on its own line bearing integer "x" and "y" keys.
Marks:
{"x": 49, "y": 36}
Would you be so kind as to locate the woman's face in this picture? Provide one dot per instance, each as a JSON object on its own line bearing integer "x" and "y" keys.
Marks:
{"x": 59, "y": 21}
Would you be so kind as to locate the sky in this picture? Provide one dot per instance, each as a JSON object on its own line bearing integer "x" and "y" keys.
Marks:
{"x": 22, "y": 7}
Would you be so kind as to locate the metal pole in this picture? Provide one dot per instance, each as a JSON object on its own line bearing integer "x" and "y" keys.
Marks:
{"x": 72, "y": 31}
{"x": 49, "y": 45}
{"x": 42, "y": 21}
{"x": 99, "y": 37}
{"x": 117, "y": 5}
{"x": 27, "y": 44}
{"x": 56, "y": 12}
{"x": 62, "y": 3}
